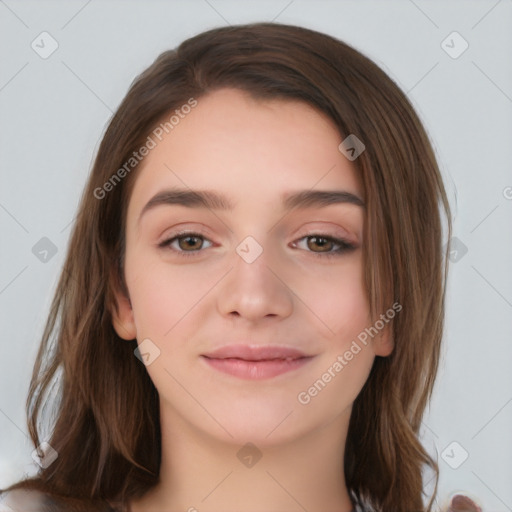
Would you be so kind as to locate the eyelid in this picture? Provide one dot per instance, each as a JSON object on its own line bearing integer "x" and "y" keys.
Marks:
{"x": 335, "y": 231}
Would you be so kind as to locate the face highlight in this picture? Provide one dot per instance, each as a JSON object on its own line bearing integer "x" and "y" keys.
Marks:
{"x": 245, "y": 227}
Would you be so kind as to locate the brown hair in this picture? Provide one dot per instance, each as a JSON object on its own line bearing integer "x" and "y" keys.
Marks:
{"x": 106, "y": 430}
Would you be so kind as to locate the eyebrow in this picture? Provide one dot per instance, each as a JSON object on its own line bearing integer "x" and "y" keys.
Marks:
{"x": 215, "y": 201}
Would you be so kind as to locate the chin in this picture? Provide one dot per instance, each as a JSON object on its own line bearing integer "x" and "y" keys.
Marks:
{"x": 262, "y": 421}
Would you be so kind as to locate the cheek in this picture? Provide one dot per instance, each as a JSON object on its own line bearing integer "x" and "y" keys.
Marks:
{"x": 334, "y": 383}
{"x": 164, "y": 295}
{"x": 336, "y": 297}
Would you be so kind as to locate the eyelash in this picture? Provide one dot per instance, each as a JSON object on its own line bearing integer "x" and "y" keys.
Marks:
{"x": 344, "y": 246}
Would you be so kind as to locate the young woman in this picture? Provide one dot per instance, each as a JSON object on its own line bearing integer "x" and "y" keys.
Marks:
{"x": 251, "y": 309}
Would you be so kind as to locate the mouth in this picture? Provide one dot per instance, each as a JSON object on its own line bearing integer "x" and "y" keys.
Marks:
{"x": 256, "y": 362}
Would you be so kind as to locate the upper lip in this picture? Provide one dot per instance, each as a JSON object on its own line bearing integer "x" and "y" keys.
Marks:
{"x": 255, "y": 353}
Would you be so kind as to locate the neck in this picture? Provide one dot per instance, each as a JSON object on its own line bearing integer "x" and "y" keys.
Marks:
{"x": 200, "y": 473}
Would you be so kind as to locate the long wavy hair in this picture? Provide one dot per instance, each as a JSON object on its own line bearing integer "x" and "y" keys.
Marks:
{"x": 105, "y": 413}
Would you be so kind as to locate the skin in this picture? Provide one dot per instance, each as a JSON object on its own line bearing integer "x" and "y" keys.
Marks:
{"x": 253, "y": 152}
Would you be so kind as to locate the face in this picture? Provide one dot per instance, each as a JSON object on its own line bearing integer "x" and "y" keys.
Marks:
{"x": 252, "y": 307}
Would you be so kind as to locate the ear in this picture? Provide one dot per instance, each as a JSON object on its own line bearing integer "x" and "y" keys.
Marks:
{"x": 383, "y": 343}
{"x": 122, "y": 316}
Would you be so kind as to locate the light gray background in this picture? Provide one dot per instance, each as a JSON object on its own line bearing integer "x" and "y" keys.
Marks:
{"x": 54, "y": 112}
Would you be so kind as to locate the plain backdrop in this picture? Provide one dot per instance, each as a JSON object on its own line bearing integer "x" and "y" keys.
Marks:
{"x": 54, "y": 110}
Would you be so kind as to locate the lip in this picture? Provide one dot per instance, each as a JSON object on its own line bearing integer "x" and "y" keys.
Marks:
{"x": 256, "y": 362}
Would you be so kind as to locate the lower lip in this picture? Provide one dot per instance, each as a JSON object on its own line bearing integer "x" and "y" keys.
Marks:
{"x": 256, "y": 370}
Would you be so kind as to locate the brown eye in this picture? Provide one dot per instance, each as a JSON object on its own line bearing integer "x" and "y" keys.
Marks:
{"x": 323, "y": 243}
{"x": 185, "y": 244}
{"x": 325, "y": 246}
{"x": 189, "y": 242}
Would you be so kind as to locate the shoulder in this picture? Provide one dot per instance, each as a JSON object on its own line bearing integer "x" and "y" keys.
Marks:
{"x": 20, "y": 500}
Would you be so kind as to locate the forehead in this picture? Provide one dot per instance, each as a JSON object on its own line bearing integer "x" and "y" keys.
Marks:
{"x": 247, "y": 149}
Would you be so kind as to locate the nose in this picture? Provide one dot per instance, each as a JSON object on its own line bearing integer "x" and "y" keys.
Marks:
{"x": 255, "y": 289}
